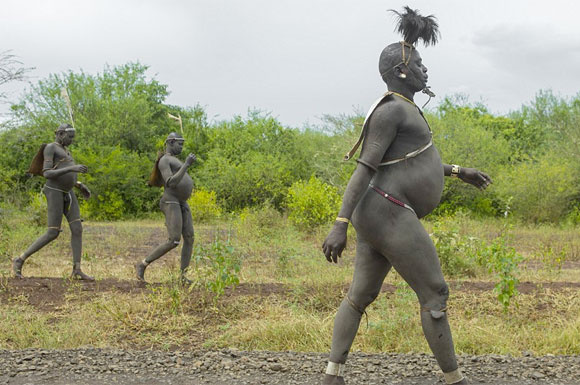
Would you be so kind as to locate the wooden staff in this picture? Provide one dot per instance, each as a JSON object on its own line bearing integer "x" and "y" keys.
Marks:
{"x": 64, "y": 94}
{"x": 178, "y": 118}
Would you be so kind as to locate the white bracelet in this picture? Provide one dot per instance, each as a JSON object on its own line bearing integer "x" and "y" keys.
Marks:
{"x": 334, "y": 369}
{"x": 453, "y": 377}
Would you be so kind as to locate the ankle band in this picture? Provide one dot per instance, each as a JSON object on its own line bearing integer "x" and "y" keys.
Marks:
{"x": 453, "y": 377}
{"x": 145, "y": 262}
{"x": 334, "y": 369}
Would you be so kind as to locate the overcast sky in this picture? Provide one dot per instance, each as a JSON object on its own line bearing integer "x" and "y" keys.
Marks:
{"x": 299, "y": 59}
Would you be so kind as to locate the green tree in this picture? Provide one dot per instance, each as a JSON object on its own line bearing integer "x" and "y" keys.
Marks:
{"x": 252, "y": 161}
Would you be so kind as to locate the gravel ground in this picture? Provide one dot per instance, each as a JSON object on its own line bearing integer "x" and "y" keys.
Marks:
{"x": 232, "y": 367}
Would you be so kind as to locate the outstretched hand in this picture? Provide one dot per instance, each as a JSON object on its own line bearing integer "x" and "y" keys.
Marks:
{"x": 335, "y": 242}
{"x": 85, "y": 191}
{"x": 475, "y": 177}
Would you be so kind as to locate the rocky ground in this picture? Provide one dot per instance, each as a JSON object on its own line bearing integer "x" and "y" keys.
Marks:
{"x": 233, "y": 367}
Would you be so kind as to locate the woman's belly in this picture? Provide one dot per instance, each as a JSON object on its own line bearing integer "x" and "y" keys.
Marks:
{"x": 417, "y": 181}
{"x": 182, "y": 191}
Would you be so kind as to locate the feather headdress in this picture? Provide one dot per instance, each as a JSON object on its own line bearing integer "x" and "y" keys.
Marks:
{"x": 413, "y": 27}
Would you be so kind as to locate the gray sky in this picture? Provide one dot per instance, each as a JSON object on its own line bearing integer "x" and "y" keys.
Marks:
{"x": 299, "y": 59}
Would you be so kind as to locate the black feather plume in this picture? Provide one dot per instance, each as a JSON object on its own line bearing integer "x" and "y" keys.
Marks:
{"x": 413, "y": 27}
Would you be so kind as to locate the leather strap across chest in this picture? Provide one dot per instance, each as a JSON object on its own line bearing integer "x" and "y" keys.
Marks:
{"x": 411, "y": 154}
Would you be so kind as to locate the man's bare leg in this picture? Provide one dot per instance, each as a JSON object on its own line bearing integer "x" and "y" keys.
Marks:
{"x": 76, "y": 241}
{"x": 370, "y": 271}
{"x": 55, "y": 205}
{"x": 412, "y": 253}
{"x": 173, "y": 222}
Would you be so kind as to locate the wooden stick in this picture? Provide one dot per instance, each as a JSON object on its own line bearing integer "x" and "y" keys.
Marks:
{"x": 64, "y": 94}
{"x": 178, "y": 118}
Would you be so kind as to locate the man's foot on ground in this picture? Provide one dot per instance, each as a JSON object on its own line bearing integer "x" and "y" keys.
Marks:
{"x": 17, "y": 267}
{"x": 185, "y": 282}
{"x": 78, "y": 274}
{"x": 140, "y": 270}
{"x": 333, "y": 380}
{"x": 462, "y": 382}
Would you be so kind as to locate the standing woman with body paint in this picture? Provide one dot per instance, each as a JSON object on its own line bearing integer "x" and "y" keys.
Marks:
{"x": 171, "y": 173}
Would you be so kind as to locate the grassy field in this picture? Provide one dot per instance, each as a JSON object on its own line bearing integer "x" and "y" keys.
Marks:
{"x": 287, "y": 293}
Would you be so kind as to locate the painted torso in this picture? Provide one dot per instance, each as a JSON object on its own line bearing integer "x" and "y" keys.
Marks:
{"x": 183, "y": 190}
{"x": 417, "y": 181}
{"x": 61, "y": 159}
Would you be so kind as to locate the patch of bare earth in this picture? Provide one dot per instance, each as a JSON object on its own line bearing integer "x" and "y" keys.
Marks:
{"x": 48, "y": 294}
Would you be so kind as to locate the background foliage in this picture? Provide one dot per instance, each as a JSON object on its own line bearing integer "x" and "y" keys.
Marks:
{"x": 532, "y": 154}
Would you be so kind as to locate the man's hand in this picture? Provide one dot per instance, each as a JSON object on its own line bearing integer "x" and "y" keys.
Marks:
{"x": 85, "y": 191}
{"x": 475, "y": 177}
{"x": 80, "y": 168}
{"x": 335, "y": 242}
{"x": 190, "y": 159}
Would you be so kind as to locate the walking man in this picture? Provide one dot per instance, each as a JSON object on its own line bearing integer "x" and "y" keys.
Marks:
{"x": 398, "y": 180}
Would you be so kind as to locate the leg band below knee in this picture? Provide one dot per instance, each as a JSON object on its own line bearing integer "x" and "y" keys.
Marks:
{"x": 358, "y": 309}
{"x": 334, "y": 369}
{"x": 354, "y": 305}
{"x": 144, "y": 262}
{"x": 453, "y": 377}
{"x": 437, "y": 314}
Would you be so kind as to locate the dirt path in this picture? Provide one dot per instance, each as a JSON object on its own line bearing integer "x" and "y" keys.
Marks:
{"x": 233, "y": 367}
{"x": 48, "y": 294}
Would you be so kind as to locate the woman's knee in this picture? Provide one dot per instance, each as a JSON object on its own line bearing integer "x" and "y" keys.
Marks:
{"x": 174, "y": 241}
{"x": 52, "y": 233}
{"x": 76, "y": 228}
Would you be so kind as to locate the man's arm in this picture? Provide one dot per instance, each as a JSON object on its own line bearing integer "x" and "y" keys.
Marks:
{"x": 172, "y": 180}
{"x": 381, "y": 131}
{"x": 47, "y": 168}
{"x": 469, "y": 175}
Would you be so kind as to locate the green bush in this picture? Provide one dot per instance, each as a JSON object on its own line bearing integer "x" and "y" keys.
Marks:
{"x": 204, "y": 206}
{"x": 37, "y": 209}
{"x": 502, "y": 261}
{"x": 17, "y": 232}
{"x": 117, "y": 179}
{"x": 541, "y": 190}
{"x": 252, "y": 161}
{"x": 456, "y": 252}
{"x": 216, "y": 267}
{"x": 260, "y": 224}
{"x": 312, "y": 203}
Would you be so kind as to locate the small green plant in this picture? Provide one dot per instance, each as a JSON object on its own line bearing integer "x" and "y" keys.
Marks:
{"x": 203, "y": 206}
{"x": 216, "y": 267}
{"x": 456, "y": 252}
{"x": 552, "y": 260}
{"x": 312, "y": 203}
{"x": 502, "y": 260}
